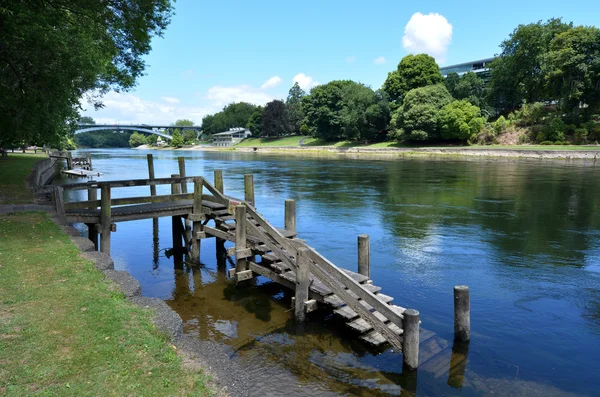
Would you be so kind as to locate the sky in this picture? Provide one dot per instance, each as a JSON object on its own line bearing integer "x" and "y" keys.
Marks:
{"x": 217, "y": 52}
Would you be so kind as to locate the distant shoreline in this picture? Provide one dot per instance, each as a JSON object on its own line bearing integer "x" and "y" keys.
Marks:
{"x": 522, "y": 152}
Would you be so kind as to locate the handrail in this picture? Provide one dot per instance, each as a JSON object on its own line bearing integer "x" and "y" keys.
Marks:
{"x": 129, "y": 183}
{"x": 221, "y": 198}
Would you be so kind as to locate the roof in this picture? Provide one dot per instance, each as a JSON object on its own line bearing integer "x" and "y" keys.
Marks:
{"x": 231, "y": 132}
{"x": 485, "y": 60}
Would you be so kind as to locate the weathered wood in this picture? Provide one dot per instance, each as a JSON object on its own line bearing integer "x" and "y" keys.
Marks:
{"x": 219, "y": 197}
{"x": 272, "y": 231}
{"x": 92, "y": 194}
{"x": 240, "y": 238}
{"x": 151, "y": 173}
{"x": 105, "y": 219}
{"x": 219, "y": 233}
{"x": 364, "y": 255}
{"x": 462, "y": 313}
{"x": 130, "y": 183}
{"x": 290, "y": 215}
{"x": 281, "y": 254}
{"x": 176, "y": 225}
{"x": 249, "y": 189}
{"x": 219, "y": 181}
{"x": 243, "y": 275}
{"x": 59, "y": 203}
{"x": 302, "y": 282}
{"x": 130, "y": 200}
{"x": 181, "y": 162}
{"x": 410, "y": 343}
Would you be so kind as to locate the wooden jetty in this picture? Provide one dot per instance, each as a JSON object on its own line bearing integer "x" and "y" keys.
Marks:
{"x": 83, "y": 163}
{"x": 260, "y": 249}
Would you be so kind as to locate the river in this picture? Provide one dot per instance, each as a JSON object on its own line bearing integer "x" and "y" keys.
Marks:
{"x": 524, "y": 235}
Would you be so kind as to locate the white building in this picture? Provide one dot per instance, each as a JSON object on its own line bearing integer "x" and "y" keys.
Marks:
{"x": 231, "y": 137}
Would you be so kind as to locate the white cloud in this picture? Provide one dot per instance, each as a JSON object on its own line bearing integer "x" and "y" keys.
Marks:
{"x": 350, "y": 59}
{"x": 221, "y": 96}
{"x": 271, "y": 83}
{"x": 379, "y": 61}
{"x": 430, "y": 34}
{"x": 170, "y": 99}
{"x": 305, "y": 82}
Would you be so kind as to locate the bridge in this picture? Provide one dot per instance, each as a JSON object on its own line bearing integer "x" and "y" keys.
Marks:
{"x": 165, "y": 131}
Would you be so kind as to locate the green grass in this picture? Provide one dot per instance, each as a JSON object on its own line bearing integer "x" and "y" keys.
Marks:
{"x": 13, "y": 171}
{"x": 65, "y": 331}
{"x": 261, "y": 142}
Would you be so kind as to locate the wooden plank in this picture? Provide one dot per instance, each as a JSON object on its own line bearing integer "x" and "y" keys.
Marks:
{"x": 130, "y": 183}
{"x": 219, "y": 233}
{"x": 281, "y": 254}
{"x": 272, "y": 231}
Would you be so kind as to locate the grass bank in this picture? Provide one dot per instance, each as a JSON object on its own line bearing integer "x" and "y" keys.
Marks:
{"x": 66, "y": 331}
{"x": 14, "y": 170}
{"x": 266, "y": 142}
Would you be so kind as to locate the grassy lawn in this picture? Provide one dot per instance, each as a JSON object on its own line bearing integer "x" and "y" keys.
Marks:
{"x": 13, "y": 172}
{"x": 65, "y": 331}
{"x": 258, "y": 142}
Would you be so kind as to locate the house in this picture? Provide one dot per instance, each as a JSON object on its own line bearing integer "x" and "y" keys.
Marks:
{"x": 231, "y": 137}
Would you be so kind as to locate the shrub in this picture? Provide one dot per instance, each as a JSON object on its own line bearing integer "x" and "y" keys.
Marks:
{"x": 555, "y": 129}
{"x": 523, "y": 139}
{"x": 540, "y": 137}
{"x": 499, "y": 125}
{"x": 580, "y": 136}
{"x": 460, "y": 120}
{"x": 547, "y": 143}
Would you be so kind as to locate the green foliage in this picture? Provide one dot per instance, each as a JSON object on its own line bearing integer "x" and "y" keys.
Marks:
{"x": 177, "y": 140}
{"x": 233, "y": 115}
{"x": 86, "y": 120}
{"x": 103, "y": 139}
{"x": 190, "y": 137}
{"x": 555, "y": 129}
{"x": 500, "y": 125}
{"x": 414, "y": 71}
{"x": 294, "y": 106}
{"x": 365, "y": 114}
{"x": 136, "y": 139}
{"x": 254, "y": 124}
{"x": 184, "y": 123}
{"x": 417, "y": 118}
{"x": 275, "y": 120}
{"x": 529, "y": 114}
{"x": 460, "y": 120}
{"x": 524, "y": 139}
{"x": 322, "y": 110}
{"x": 52, "y": 52}
{"x": 472, "y": 88}
{"x": 451, "y": 81}
{"x": 151, "y": 139}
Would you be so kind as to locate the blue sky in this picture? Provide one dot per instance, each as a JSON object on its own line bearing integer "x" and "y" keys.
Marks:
{"x": 218, "y": 52}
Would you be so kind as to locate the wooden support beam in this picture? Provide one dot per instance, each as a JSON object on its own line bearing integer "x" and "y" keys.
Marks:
{"x": 290, "y": 215}
{"x": 240, "y": 238}
{"x": 151, "y": 173}
{"x": 219, "y": 181}
{"x": 176, "y": 226}
{"x": 105, "y": 218}
{"x": 302, "y": 283}
{"x": 410, "y": 342}
{"x": 59, "y": 202}
{"x": 462, "y": 313}
{"x": 181, "y": 161}
{"x": 364, "y": 255}
{"x": 93, "y": 227}
{"x": 249, "y": 189}
{"x": 197, "y": 224}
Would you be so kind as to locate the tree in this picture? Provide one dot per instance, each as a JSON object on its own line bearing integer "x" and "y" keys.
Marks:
{"x": 177, "y": 140}
{"x": 573, "y": 68}
{"x": 136, "y": 139}
{"x": 255, "y": 122}
{"x": 86, "y": 120}
{"x": 53, "y": 52}
{"x": 189, "y": 136}
{"x": 232, "y": 115}
{"x": 451, "y": 81}
{"x": 322, "y": 110}
{"x": 275, "y": 119}
{"x": 365, "y": 113}
{"x": 518, "y": 73}
{"x": 294, "y": 106}
{"x": 472, "y": 88}
{"x": 460, "y": 120}
{"x": 417, "y": 118}
{"x": 151, "y": 139}
{"x": 414, "y": 71}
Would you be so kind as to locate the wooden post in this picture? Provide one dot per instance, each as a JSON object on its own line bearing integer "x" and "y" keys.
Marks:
{"x": 302, "y": 283}
{"x": 364, "y": 255}
{"x": 410, "y": 342}
{"x": 176, "y": 226}
{"x": 290, "y": 215}
{"x": 93, "y": 227}
{"x": 89, "y": 160}
{"x": 219, "y": 180}
{"x": 197, "y": 224}
{"x": 69, "y": 160}
{"x": 240, "y": 239}
{"x": 462, "y": 313}
{"x": 105, "y": 218}
{"x": 151, "y": 173}
{"x": 182, "y": 174}
{"x": 59, "y": 202}
{"x": 249, "y": 189}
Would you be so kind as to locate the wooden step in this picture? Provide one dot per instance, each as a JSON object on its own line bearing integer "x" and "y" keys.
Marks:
{"x": 218, "y": 213}
{"x": 270, "y": 257}
{"x": 225, "y": 218}
{"x": 374, "y": 338}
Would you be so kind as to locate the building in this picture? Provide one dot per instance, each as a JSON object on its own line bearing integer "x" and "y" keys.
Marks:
{"x": 231, "y": 137}
{"x": 480, "y": 67}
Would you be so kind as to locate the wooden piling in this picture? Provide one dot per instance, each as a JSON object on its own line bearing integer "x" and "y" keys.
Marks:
{"x": 59, "y": 201}
{"x": 89, "y": 160}
{"x": 182, "y": 174}
{"x": 105, "y": 218}
{"x": 176, "y": 226}
{"x": 240, "y": 239}
{"x": 290, "y": 215}
{"x": 219, "y": 180}
{"x": 410, "y": 342}
{"x": 462, "y": 313}
{"x": 92, "y": 193}
{"x": 302, "y": 284}
{"x": 197, "y": 224}
{"x": 249, "y": 189}
{"x": 364, "y": 255}
{"x": 151, "y": 173}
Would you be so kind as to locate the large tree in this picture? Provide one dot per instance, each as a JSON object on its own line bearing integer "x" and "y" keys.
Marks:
{"x": 54, "y": 52}
{"x": 233, "y": 115}
{"x": 275, "y": 120}
{"x": 414, "y": 71}
{"x": 365, "y": 114}
{"x": 294, "y": 106}
{"x": 254, "y": 124}
{"x": 322, "y": 110}
{"x": 460, "y": 120}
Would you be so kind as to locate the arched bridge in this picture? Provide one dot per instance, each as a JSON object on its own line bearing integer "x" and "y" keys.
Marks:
{"x": 164, "y": 131}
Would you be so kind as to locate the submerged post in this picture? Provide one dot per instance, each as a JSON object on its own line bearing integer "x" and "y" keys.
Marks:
{"x": 219, "y": 180}
{"x": 290, "y": 215}
{"x": 302, "y": 283}
{"x": 410, "y": 342}
{"x": 462, "y": 313}
{"x": 364, "y": 255}
{"x": 249, "y": 189}
{"x": 105, "y": 218}
{"x": 182, "y": 174}
{"x": 176, "y": 226}
{"x": 240, "y": 239}
{"x": 151, "y": 173}
{"x": 92, "y": 193}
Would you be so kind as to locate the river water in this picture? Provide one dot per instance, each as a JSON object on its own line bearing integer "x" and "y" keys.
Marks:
{"x": 524, "y": 235}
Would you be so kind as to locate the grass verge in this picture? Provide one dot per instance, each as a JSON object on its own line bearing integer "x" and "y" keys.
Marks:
{"x": 65, "y": 331}
{"x": 14, "y": 170}
{"x": 259, "y": 142}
